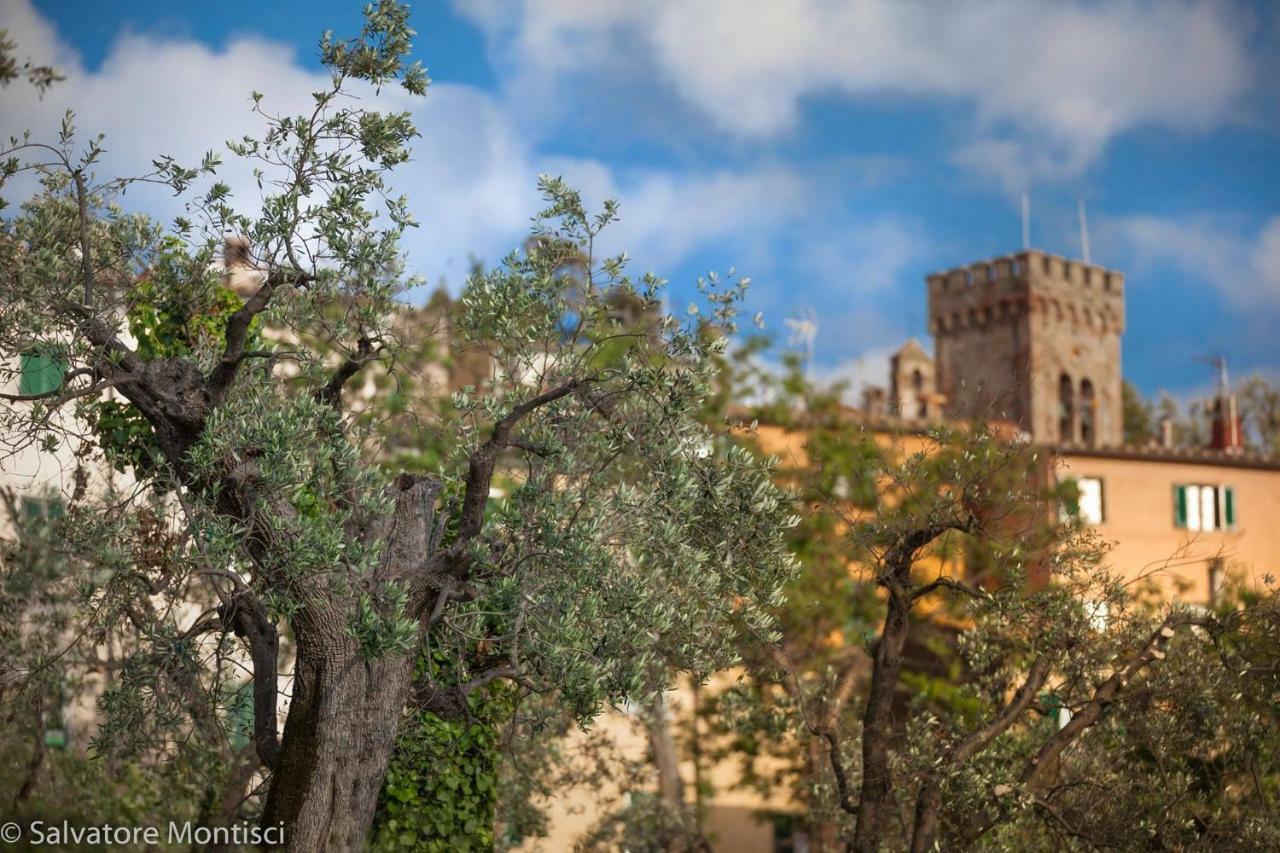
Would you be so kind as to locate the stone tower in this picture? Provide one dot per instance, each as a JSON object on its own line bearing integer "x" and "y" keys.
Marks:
{"x": 912, "y": 384}
{"x": 1034, "y": 339}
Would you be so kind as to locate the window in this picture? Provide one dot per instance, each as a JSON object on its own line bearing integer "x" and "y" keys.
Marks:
{"x": 38, "y": 515}
{"x": 917, "y": 385}
{"x": 1091, "y": 511}
{"x": 1087, "y": 412}
{"x": 38, "y": 510}
{"x": 42, "y": 372}
{"x": 1066, "y": 413}
{"x": 1098, "y": 613}
{"x": 1200, "y": 507}
{"x": 1087, "y": 504}
{"x": 789, "y": 835}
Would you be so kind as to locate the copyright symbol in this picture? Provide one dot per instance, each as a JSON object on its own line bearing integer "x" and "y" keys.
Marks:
{"x": 10, "y": 832}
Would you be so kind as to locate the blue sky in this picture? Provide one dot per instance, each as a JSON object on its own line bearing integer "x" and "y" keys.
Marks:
{"x": 834, "y": 152}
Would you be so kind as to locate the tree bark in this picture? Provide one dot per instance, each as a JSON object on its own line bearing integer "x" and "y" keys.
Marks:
{"x": 338, "y": 738}
{"x": 877, "y": 721}
{"x": 346, "y": 708}
{"x": 665, "y": 756}
{"x": 877, "y": 724}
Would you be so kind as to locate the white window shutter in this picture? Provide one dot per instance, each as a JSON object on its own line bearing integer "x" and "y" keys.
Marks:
{"x": 1208, "y": 508}
{"x": 1091, "y": 500}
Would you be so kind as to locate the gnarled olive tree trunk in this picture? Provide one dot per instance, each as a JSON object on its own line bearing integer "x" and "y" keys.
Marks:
{"x": 337, "y": 742}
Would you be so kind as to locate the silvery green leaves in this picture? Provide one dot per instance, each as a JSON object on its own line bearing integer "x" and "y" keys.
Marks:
{"x": 629, "y": 538}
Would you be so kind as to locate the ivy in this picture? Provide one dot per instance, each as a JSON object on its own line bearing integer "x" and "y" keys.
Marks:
{"x": 176, "y": 309}
{"x": 441, "y": 788}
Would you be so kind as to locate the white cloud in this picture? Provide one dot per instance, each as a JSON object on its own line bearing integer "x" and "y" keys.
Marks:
{"x": 471, "y": 182}
{"x": 1244, "y": 267}
{"x": 870, "y": 368}
{"x": 1048, "y": 82}
{"x": 665, "y": 216}
{"x": 865, "y": 257}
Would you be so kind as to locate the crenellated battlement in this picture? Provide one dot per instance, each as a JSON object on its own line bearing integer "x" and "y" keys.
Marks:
{"x": 1028, "y": 266}
{"x": 1028, "y": 281}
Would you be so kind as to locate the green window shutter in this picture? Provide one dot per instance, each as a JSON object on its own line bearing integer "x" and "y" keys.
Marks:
{"x": 1229, "y": 506}
{"x": 32, "y": 509}
{"x": 42, "y": 372}
{"x": 42, "y": 510}
{"x": 1180, "y": 506}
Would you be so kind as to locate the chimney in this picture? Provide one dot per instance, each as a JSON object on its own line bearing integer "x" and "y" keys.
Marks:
{"x": 875, "y": 402}
{"x": 1227, "y": 434}
{"x": 1166, "y": 433}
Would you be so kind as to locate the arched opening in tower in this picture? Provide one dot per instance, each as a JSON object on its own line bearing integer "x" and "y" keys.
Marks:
{"x": 1066, "y": 410}
{"x": 1088, "y": 412}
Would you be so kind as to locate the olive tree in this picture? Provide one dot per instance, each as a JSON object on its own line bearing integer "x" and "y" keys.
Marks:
{"x": 626, "y": 531}
{"x": 1034, "y": 700}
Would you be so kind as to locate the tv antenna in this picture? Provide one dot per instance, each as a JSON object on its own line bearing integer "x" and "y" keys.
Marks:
{"x": 1218, "y": 363}
{"x": 804, "y": 331}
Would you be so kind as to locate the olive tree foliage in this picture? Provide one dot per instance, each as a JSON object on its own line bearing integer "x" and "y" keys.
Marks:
{"x": 11, "y": 69}
{"x": 626, "y": 533}
{"x": 1032, "y": 701}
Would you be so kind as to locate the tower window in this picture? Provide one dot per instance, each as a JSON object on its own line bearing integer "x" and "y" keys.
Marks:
{"x": 1066, "y": 410}
{"x": 917, "y": 385}
{"x": 1088, "y": 411}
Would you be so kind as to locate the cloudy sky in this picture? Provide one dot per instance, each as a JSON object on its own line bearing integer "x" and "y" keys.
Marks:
{"x": 835, "y": 152}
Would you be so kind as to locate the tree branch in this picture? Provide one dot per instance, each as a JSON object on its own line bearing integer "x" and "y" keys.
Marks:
{"x": 949, "y": 583}
{"x": 248, "y": 618}
{"x": 928, "y": 800}
{"x": 86, "y": 261}
{"x": 1152, "y": 650}
{"x": 237, "y": 334}
{"x": 451, "y": 702}
{"x": 1035, "y": 771}
{"x": 483, "y": 458}
{"x": 224, "y": 372}
{"x": 45, "y": 395}
{"x": 331, "y": 393}
{"x": 877, "y": 724}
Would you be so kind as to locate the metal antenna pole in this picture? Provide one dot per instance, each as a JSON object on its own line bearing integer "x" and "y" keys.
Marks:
{"x": 1026, "y": 222}
{"x": 1084, "y": 230}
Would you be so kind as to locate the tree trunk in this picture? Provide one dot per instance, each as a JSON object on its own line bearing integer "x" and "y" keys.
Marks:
{"x": 924, "y": 832}
{"x": 824, "y": 835}
{"x": 665, "y": 755}
{"x": 337, "y": 742}
{"x": 877, "y": 724}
